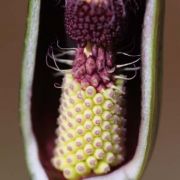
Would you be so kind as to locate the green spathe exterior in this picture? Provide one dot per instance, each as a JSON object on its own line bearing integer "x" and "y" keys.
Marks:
{"x": 151, "y": 90}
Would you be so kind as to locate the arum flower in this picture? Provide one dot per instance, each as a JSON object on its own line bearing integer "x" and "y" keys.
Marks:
{"x": 89, "y": 104}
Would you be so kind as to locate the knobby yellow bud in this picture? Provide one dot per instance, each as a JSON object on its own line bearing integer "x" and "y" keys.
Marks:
{"x": 89, "y": 134}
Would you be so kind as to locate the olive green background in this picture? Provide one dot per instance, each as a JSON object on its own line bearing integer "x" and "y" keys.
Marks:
{"x": 165, "y": 162}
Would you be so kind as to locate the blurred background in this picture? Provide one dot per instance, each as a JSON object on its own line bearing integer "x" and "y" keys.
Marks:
{"x": 165, "y": 162}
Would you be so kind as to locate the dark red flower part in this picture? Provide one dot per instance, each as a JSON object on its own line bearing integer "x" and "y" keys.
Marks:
{"x": 94, "y": 21}
{"x": 93, "y": 69}
{"x": 90, "y": 65}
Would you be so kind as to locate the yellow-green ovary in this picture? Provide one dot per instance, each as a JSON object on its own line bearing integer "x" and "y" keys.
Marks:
{"x": 91, "y": 130}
